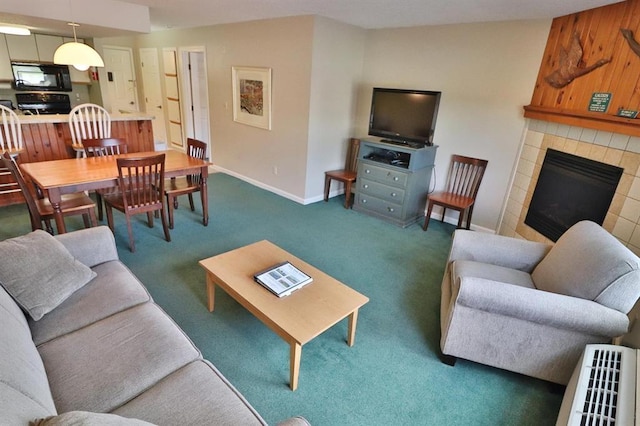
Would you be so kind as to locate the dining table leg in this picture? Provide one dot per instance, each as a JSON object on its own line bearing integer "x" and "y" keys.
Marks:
{"x": 204, "y": 197}
{"x": 55, "y": 198}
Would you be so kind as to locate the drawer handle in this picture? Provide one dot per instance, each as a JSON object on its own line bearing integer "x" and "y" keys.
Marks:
{"x": 364, "y": 201}
{"x": 395, "y": 178}
{"x": 393, "y": 194}
{"x": 365, "y": 186}
{"x": 391, "y": 209}
{"x": 367, "y": 171}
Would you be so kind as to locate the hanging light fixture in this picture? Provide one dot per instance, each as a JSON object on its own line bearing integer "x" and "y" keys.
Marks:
{"x": 81, "y": 56}
{"x": 14, "y": 29}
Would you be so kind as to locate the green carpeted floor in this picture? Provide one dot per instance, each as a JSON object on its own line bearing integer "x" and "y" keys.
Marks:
{"x": 392, "y": 375}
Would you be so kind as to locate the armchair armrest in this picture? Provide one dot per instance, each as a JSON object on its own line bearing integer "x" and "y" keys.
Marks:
{"x": 542, "y": 307}
{"x": 497, "y": 250}
{"x": 90, "y": 246}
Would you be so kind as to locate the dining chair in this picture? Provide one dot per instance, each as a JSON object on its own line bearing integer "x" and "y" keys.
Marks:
{"x": 185, "y": 185}
{"x": 461, "y": 188}
{"x": 141, "y": 184}
{"x": 10, "y": 132}
{"x": 88, "y": 121}
{"x": 104, "y": 147}
{"x": 347, "y": 175}
{"x": 41, "y": 210}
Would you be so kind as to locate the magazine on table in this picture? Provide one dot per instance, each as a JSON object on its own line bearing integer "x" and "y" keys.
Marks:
{"x": 282, "y": 279}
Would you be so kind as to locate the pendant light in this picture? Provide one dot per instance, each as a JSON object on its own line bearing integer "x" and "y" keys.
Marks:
{"x": 81, "y": 56}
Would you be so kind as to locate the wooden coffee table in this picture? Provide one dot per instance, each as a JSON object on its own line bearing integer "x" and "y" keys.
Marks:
{"x": 296, "y": 318}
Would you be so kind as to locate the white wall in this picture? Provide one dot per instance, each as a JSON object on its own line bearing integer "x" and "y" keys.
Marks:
{"x": 338, "y": 54}
{"x": 486, "y": 73}
{"x": 323, "y": 73}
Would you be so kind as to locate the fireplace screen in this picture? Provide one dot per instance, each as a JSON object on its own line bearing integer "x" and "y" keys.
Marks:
{"x": 570, "y": 189}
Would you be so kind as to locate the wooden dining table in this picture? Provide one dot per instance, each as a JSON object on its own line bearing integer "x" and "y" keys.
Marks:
{"x": 73, "y": 175}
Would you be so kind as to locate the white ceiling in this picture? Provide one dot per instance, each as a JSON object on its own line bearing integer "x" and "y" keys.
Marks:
{"x": 368, "y": 14}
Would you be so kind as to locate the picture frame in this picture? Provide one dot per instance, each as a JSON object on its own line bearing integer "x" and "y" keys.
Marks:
{"x": 252, "y": 96}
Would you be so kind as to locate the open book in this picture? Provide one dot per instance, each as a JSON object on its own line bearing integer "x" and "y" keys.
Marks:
{"x": 282, "y": 279}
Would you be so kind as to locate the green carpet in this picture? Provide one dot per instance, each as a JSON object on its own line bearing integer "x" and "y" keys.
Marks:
{"x": 391, "y": 376}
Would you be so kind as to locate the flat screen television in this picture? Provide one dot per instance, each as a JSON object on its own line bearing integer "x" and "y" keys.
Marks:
{"x": 404, "y": 116}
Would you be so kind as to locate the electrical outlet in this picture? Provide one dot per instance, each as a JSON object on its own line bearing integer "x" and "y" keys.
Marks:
{"x": 275, "y": 170}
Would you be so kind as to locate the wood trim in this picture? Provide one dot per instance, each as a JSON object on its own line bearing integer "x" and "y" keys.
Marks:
{"x": 590, "y": 120}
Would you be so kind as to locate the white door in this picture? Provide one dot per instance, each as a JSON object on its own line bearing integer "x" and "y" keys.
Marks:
{"x": 196, "y": 98}
{"x": 120, "y": 79}
{"x": 152, "y": 90}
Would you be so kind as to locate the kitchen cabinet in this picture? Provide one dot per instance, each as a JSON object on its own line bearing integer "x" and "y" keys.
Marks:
{"x": 5, "y": 63}
{"x": 22, "y": 48}
{"x": 47, "y": 45}
{"x": 393, "y": 181}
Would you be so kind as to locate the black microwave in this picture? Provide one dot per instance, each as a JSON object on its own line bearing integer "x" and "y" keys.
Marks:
{"x": 37, "y": 77}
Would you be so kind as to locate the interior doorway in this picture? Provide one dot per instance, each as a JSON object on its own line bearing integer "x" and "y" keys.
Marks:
{"x": 195, "y": 99}
{"x": 120, "y": 81}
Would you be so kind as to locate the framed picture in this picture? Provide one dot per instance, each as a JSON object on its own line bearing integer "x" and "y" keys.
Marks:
{"x": 252, "y": 96}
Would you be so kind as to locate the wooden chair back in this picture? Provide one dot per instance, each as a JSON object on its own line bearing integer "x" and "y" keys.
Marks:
{"x": 89, "y": 121}
{"x": 141, "y": 182}
{"x": 196, "y": 149}
{"x": 9, "y": 163}
{"x": 10, "y": 131}
{"x": 99, "y": 147}
{"x": 465, "y": 176}
{"x": 351, "y": 164}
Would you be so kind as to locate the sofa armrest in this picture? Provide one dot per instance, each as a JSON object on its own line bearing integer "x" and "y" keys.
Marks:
{"x": 542, "y": 307}
{"x": 295, "y": 421}
{"x": 497, "y": 250}
{"x": 91, "y": 246}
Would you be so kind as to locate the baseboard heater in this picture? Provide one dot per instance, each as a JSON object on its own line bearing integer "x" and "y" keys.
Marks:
{"x": 603, "y": 389}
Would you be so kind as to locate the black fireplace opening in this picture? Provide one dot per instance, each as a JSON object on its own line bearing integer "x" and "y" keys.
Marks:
{"x": 570, "y": 189}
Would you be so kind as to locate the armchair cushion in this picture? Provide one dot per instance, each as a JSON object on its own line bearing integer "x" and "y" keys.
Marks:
{"x": 39, "y": 272}
{"x": 589, "y": 263}
{"x": 469, "y": 268}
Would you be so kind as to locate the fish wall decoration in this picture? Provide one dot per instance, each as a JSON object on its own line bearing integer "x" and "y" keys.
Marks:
{"x": 570, "y": 65}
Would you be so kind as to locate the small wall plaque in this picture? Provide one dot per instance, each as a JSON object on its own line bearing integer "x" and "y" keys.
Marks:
{"x": 627, "y": 113}
{"x": 599, "y": 102}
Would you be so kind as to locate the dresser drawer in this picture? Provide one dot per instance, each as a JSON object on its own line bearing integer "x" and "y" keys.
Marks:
{"x": 377, "y": 205}
{"x": 382, "y": 191}
{"x": 384, "y": 175}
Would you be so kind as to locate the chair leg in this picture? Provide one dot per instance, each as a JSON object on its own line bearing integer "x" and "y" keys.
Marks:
{"x": 469, "y": 213}
{"x": 193, "y": 207}
{"x": 460, "y": 218}
{"x": 48, "y": 227}
{"x": 170, "y": 210}
{"x": 92, "y": 217}
{"x": 448, "y": 359}
{"x": 109, "y": 216}
{"x": 150, "y": 219}
{"x": 85, "y": 219}
{"x": 444, "y": 210}
{"x": 165, "y": 227}
{"x": 327, "y": 185}
{"x": 347, "y": 194}
{"x": 99, "y": 203}
{"x": 427, "y": 217}
{"x": 132, "y": 243}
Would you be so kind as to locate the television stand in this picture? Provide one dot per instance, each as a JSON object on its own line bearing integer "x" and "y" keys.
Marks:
{"x": 393, "y": 180}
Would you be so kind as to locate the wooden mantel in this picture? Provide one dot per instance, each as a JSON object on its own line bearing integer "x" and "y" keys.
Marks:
{"x": 601, "y": 39}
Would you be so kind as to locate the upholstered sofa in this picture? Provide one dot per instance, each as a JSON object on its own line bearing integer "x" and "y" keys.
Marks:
{"x": 81, "y": 335}
{"x": 532, "y": 307}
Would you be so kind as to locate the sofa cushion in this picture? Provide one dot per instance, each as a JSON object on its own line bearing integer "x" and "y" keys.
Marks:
{"x": 204, "y": 397}
{"x": 24, "y": 388}
{"x": 101, "y": 366}
{"x": 39, "y": 272}
{"x": 470, "y": 268}
{"x": 114, "y": 289}
{"x": 590, "y": 263}
{"x": 85, "y": 418}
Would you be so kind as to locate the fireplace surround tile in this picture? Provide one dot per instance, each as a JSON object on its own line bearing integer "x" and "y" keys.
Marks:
{"x": 623, "y": 217}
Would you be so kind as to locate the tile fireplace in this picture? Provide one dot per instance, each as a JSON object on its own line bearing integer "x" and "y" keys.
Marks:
{"x": 622, "y": 152}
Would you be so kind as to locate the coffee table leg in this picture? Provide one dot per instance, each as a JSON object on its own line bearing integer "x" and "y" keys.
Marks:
{"x": 296, "y": 354}
{"x": 353, "y": 319}
{"x": 211, "y": 293}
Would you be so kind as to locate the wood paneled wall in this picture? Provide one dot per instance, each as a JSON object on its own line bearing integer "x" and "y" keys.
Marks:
{"x": 599, "y": 33}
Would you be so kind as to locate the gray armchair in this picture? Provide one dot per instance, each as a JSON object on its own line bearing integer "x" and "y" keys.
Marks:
{"x": 531, "y": 307}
